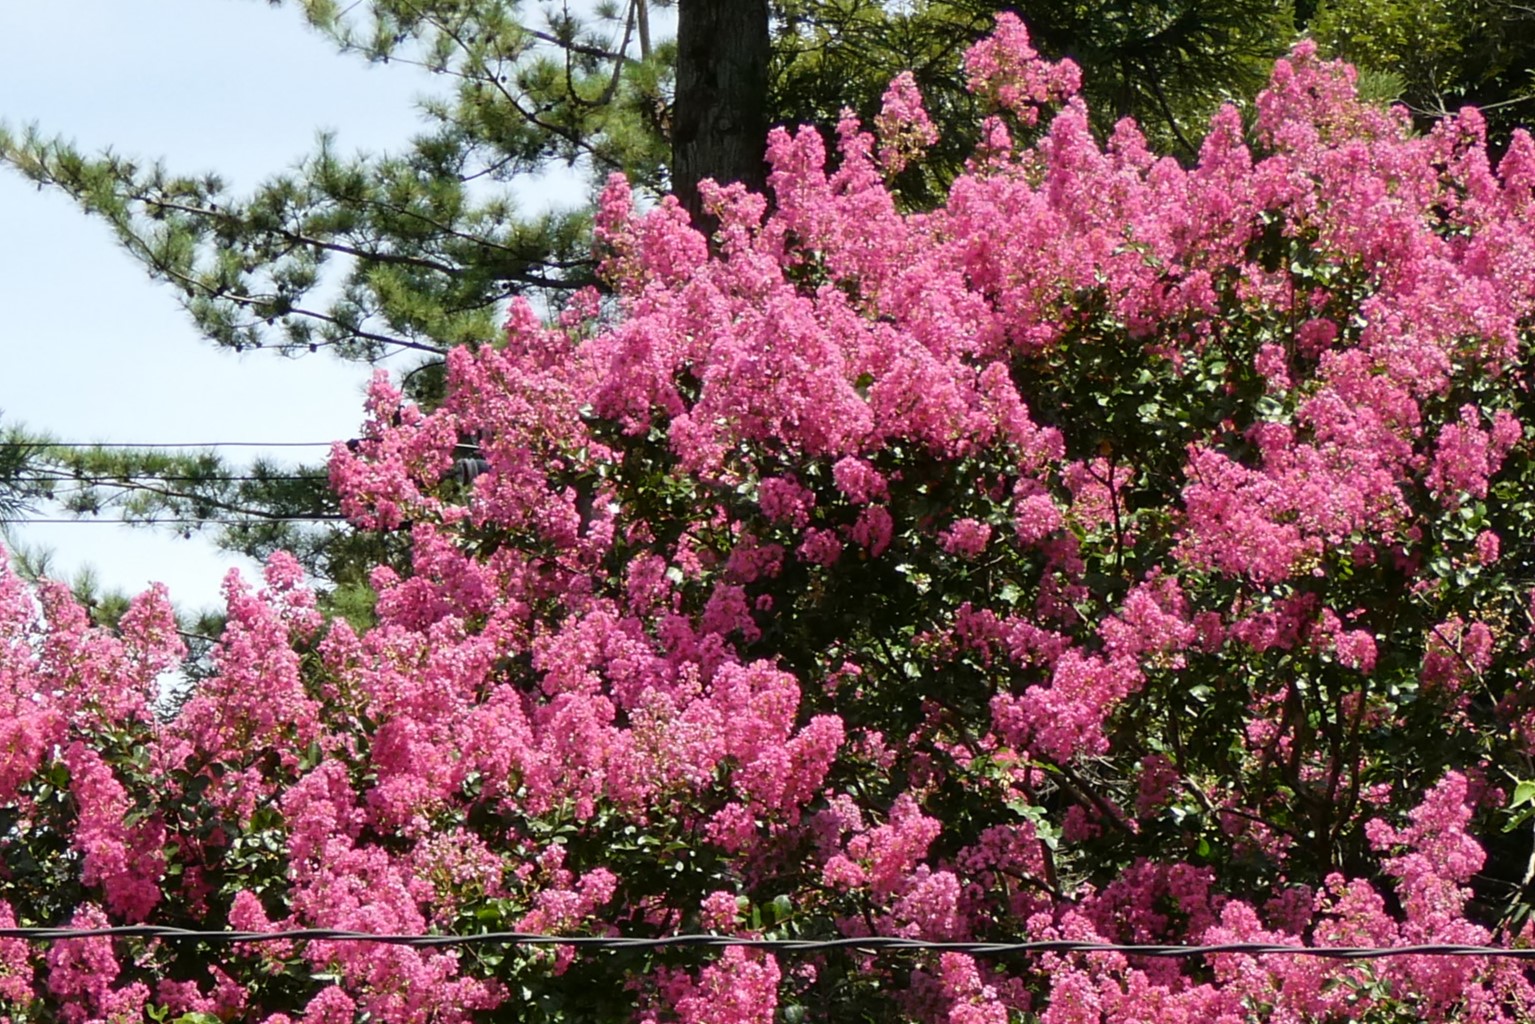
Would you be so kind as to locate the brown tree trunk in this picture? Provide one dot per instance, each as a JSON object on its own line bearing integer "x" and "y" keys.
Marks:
{"x": 719, "y": 121}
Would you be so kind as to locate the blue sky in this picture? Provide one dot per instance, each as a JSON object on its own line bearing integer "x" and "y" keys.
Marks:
{"x": 94, "y": 351}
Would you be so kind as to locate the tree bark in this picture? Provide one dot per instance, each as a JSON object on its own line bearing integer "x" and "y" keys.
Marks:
{"x": 642, "y": 18}
{"x": 719, "y": 120}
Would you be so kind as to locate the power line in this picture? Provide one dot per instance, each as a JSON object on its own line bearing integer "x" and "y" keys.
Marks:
{"x": 139, "y": 479}
{"x": 169, "y": 444}
{"x": 109, "y": 445}
{"x": 248, "y": 521}
{"x": 876, "y": 943}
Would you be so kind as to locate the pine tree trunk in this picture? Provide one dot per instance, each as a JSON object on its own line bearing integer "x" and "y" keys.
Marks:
{"x": 719, "y": 122}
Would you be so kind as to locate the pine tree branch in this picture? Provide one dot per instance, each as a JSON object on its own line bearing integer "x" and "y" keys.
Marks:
{"x": 583, "y": 48}
{"x": 495, "y": 82}
{"x": 206, "y": 501}
{"x": 299, "y": 238}
{"x": 190, "y": 284}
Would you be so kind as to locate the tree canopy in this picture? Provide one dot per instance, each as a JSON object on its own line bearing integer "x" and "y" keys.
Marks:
{"x": 1120, "y": 551}
{"x": 361, "y": 256}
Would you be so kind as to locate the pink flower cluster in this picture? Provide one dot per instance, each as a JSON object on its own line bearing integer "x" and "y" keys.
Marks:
{"x": 1121, "y": 551}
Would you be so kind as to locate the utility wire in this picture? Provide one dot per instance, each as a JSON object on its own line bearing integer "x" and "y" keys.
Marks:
{"x": 249, "y": 520}
{"x": 169, "y": 444}
{"x": 867, "y": 943}
{"x": 134, "y": 479}
{"x": 109, "y": 445}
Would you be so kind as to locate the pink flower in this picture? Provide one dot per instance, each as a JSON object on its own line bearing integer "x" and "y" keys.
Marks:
{"x": 784, "y": 500}
{"x": 905, "y": 130}
{"x": 719, "y": 911}
{"x": 81, "y": 973}
{"x": 820, "y": 547}
{"x": 330, "y": 1006}
{"x": 1035, "y": 517}
{"x": 125, "y": 860}
{"x": 873, "y": 529}
{"x": 15, "y": 963}
{"x": 741, "y": 988}
{"x": 1466, "y": 456}
{"x": 1356, "y": 649}
{"x": 1006, "y": 68}
{"x": 858, "y": 480}
{"x": 966, "y": 539}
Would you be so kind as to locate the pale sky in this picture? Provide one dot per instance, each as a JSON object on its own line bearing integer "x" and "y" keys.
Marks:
{"x": 94, "y": 351}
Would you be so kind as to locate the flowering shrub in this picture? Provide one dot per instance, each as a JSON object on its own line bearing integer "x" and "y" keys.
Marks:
{"x": 1121, "y": 552}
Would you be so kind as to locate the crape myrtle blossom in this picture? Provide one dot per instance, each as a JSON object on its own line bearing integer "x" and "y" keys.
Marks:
{"x": 1121, "y": 551}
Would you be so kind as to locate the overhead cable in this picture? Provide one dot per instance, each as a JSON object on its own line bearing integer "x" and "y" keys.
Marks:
{"x": 876, "y": 943}
{"x": 169, "y": 444}
{"x": 248, "y": 520}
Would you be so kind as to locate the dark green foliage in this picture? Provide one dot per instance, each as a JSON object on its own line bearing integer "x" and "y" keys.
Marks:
{"x": 1437, "y": 56}
{"x": 21, "y": 456}
{"x": 1167, "y": 64}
